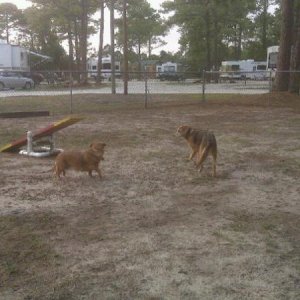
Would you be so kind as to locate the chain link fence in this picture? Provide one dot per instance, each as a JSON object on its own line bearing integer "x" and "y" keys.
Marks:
{"x": 75, "y": 92}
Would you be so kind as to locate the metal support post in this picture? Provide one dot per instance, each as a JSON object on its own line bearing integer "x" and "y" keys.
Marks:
{"x": 29, "y": 142}
{"x": 203, "y": 85}
{"x": 146, "y": 89}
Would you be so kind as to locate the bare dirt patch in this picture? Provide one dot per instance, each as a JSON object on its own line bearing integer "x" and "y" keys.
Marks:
{"x": 154, "y": 228}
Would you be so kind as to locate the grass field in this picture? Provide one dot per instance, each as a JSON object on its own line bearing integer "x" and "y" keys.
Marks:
{"x": 153, "y": 227}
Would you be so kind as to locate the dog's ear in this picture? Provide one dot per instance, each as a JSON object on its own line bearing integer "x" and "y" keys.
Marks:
{"x": 180, "y": 128}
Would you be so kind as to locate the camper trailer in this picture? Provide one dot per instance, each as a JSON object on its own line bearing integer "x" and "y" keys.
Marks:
{"x": 259, "y": 71}
{"x": 169, "y": 71}
{"x": 243, "y": 69}
{"x": 13, "y": 58}
{"x": 92, "y": 67}
{"x": 272, "y": 55}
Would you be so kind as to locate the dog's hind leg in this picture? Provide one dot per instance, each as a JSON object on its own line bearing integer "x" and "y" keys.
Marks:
{"x": 203, "y": 152}
{"x": 56, "y": 171}
{"x": 214, "y": 165}
{"x": 60, "y": 168}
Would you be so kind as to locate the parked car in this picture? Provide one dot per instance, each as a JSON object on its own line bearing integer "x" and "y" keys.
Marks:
{"x": 14, "y": 80}
{"x": 171, "y": 76}
{"x": 35, "y": 76}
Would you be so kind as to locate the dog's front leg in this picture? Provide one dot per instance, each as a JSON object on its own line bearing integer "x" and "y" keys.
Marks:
{"x": 200, "y": 168}
{"x": 192, "y": 154}
{"x": 99, "y": 173}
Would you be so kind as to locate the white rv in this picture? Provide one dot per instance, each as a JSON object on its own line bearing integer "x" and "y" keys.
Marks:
{"x": 169, "y": 71}
{"x": 272, "y": 56}
{"x": 259, "y": 71}
{"x": 13, "y": 57}
{"x": 243, "y": 69}
{"x": 92, "y": 67}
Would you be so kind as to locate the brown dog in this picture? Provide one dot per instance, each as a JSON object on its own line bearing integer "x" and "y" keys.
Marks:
{"x": 202, "y": 143}
{"x": 80, "y": 161}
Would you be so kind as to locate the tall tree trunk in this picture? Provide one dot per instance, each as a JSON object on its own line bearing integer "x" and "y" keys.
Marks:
{"x": 112, "y": 39}
{"x": 208, "y": 36}
{"x": 31, "y": 41}
{"x": 71, "y": 49}
{"x": 286, "y": 38}
{"x": 237, "y": 41}
{"x": 140, "y": 59}
{"x": 294, "y": 84}
{"x": 264, "y": 25}
{"x": 7, "y": 31}
{"x": 239, "y": 45}
{"x": 216, "y": 60}
{"x": 83, "y": 40}
{"x": 149, "y": 47}
{"x": 101, "y": 35}
{"x": 77, "y": 50}
{"x": 125, "y": 49}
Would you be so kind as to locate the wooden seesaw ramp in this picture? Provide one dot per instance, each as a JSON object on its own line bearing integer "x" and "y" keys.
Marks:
{"x": 47, "y": 131}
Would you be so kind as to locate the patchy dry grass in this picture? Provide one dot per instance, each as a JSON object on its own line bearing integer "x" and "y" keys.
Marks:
{"x": 154, "y": 228}
{"x": 26, "y": 256}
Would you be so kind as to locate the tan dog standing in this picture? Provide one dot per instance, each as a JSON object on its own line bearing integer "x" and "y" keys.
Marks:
{"x": 86, "y": 161}
{"x": 203, "y": 143}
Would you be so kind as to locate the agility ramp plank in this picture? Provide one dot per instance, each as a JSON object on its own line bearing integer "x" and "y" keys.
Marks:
{"x": 22, "y": 141}
{"x": 25, "y": 114}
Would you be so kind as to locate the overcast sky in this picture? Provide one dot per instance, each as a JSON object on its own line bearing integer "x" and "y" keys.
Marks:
{"x": 171, "y": 38}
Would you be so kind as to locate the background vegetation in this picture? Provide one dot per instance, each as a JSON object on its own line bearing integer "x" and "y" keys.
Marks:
{"x": 211, "y": 31}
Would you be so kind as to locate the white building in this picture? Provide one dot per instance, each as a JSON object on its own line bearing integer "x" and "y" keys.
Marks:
{"x": 13, "y": 57}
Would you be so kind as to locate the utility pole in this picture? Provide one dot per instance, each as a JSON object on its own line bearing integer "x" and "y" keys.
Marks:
{"x": 112, "y": 39}
{"x": 125, "y": 49}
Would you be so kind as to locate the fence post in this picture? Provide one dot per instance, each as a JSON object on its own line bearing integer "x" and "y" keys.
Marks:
{"x": 270, "y": 82}
{"x": 71, "y": 93}
{"x": 203, "y": 85}
{"x": 146, "y": 89}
